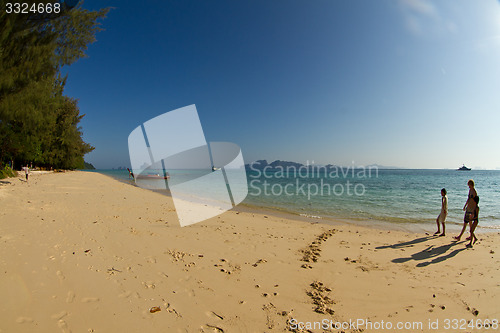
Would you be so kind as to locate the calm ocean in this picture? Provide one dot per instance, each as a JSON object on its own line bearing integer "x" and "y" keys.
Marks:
{"x": 397, "y": 196}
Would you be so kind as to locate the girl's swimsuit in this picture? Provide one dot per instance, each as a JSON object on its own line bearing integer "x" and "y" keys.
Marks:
{"x": 472, "y": 215}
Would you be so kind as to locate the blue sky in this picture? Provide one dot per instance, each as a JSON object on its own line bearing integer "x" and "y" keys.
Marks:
{"x": 408, "y": 83}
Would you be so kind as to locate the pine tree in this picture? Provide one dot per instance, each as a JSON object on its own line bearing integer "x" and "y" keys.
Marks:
{"x": 37, "y": 122}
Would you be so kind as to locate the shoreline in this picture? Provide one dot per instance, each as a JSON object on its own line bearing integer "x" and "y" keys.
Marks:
{"x": 413, "y": 227}
{"x": 83, "y": 252}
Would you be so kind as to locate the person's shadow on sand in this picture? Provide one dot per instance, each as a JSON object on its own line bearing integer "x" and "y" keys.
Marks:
{"x": 407, "y": 244}
{"x": 438, "y": 253}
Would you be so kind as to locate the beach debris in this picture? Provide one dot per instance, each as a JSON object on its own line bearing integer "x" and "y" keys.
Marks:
{"x": 474, "y": 311}
{"x": 260, "y": 261}
{"x": 155, "y": 309}
{"x": 216, "y": 328}
{"x": 87, "y": 251}
{"x": 112, "y": 270}
{"x": 218, "y": 315}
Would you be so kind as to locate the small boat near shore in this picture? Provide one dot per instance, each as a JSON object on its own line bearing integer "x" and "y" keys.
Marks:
{"x": 463, "y": 168}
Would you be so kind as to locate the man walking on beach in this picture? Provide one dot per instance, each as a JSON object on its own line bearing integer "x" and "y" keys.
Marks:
{"x": 26, "y": 172}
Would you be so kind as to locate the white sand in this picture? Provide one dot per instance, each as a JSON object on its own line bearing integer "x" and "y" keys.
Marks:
{"x": 81, "y": 252}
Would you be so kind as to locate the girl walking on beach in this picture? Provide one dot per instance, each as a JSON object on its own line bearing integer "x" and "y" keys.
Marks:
{"x": 444, "y": 212}
{"x": 471, "y": 216}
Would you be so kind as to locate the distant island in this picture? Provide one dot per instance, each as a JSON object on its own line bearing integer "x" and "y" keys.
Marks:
{"x": 278, "y": 164}
{"x": 88, "y": 166}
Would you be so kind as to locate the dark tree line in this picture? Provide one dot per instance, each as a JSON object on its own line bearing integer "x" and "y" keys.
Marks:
{"x": 38, "y": 123}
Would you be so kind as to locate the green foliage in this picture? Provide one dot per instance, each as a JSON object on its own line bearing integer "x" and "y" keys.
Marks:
{"x": 38, "y": 123}
{"x": 7, "y": 172}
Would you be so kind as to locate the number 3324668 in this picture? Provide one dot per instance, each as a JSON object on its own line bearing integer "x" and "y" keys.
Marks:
{"x": 35, "y": 8}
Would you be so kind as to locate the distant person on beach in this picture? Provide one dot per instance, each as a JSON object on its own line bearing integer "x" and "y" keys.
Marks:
{"x": 130, "y": 174}
{"x": 26, "y": 171}
{"x": 444, "y": 212}
{"x": 471, "y": 216}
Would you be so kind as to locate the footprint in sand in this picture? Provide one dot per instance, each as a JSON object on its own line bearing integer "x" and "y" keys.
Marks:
{"x": 151, "y": 260}
{"x": 60, "y": 275}
{"x": 149, "y": 284}
{"x": 70, "y": 297}
{"x": 63, "y": 326}
{"x": 90, "y": 299}
{"x": 125, "y": 294}
{"x": 23, "y": 320}
{"x": 59, "y": 316}
{"x": 170, "y": 309}
{"x": 162, "y": 274}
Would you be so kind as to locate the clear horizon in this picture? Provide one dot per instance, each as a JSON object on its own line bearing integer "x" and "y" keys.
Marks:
{"x": 409, "y": 83}
{"x": 379, "y": 166}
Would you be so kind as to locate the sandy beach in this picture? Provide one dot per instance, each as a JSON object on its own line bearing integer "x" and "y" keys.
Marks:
{"x": 82, "y": 252}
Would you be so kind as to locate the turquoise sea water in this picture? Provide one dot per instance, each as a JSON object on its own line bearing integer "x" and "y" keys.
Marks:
{"x": 397, "y": 196}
